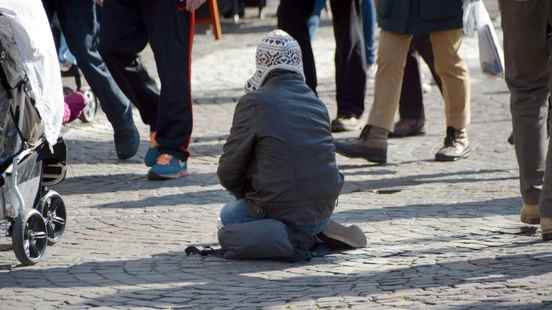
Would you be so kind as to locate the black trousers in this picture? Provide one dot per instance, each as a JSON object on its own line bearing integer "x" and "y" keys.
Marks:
{"x": 411, "y": 105}
{"x": 127, "y": 27}
{"x": 350, "y": 58}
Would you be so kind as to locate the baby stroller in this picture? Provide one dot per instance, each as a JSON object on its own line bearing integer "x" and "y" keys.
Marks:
{"x": 35, "y": 216}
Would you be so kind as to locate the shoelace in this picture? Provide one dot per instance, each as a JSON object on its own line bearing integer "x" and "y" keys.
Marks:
{"x": 450, "y": 139}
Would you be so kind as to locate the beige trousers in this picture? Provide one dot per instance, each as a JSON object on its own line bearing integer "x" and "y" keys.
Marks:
{"x": 450, "y": 67}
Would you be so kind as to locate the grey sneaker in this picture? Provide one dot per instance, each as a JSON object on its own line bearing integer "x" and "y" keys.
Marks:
{"x": 456, "y": 145}
{"x": 370, "y": 145}
{"x": 127, "y": 142}
{"x": 343, "y": 123}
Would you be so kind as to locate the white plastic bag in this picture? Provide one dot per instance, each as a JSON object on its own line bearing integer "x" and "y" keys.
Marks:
{"x": 473, "y": 19}
{"x": 491, "y": 56}
{"x": 477, "y": 20}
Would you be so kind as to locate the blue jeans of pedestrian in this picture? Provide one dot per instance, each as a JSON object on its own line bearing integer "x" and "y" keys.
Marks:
{"x": 369, "y": 29}
{"x": 79, "y": 23}
{"x": 237, "y": 212}
{"x": 314, "y": 20}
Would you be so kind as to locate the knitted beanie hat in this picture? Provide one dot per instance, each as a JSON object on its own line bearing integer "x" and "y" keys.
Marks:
{"x": 277, "y": 50}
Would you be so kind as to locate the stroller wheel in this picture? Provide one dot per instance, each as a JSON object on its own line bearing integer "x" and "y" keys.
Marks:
{"x": 54, "y": 213}
{"x": 29, "y": 237}
{"x": 89, "y": 113}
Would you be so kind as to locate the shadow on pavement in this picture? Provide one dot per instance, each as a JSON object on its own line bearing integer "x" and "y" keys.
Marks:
{"x": 95, "y": 184}
{"x": 103, "y": 152}
{"x": 502, "y": 206}
{"x": 206, "y": 197}
{"x": 178, "y": 279}
{"x": 449, "y": 178}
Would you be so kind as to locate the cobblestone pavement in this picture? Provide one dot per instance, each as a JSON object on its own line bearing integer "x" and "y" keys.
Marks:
{"x": 441, "y": 235}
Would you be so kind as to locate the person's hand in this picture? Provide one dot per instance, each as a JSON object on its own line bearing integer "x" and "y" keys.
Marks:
{"x": 192, "y": 5}
{"x": 99, "y": 2}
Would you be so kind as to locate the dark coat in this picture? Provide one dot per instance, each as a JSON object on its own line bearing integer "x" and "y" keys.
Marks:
{"x": 280, "y": 154}
{"x": 417, "y": 17}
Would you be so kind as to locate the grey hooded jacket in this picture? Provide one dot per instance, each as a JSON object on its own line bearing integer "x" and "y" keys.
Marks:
{"x": 280, "y": 155}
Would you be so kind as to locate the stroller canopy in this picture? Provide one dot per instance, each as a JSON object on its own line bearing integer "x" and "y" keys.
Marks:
{"x": 35, "y": 42}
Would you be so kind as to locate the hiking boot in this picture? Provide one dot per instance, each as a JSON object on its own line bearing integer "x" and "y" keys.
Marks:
{"x": 127, "y": 142}
{"x": 168, "y": 167}
{"x": 350, "y": 235}
{"x": 153, "y": 151}
{"x": 345, "y": 123}
{"x": 370, "y": 145}
{"x": 456, "y": 145}
{"x": 408, "y": 128}
{"x": 529, "y": 214}
{"x": 546, "y": 227}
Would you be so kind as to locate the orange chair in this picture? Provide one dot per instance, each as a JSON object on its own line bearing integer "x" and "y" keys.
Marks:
{"x": 213, "y": 19}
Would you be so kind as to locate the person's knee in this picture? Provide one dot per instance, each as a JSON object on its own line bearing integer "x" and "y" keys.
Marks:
{"x": 226, "y": 214}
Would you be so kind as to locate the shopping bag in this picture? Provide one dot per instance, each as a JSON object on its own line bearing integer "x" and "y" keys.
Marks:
{"x": 477, "y": 20}
{"x": 491, "y": 56}
{"x": 473, "y": 16}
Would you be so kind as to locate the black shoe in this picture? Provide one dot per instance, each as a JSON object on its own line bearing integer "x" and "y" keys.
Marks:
{"x": 456, "y": 146}
{"x": 127, "y": 142}
{"x": 408, "y": 128}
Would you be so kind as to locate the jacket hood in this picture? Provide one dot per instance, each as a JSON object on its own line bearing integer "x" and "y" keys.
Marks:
{"x": 276, "y": 51}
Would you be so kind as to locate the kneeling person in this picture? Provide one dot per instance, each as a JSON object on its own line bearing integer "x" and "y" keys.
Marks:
{"x": 279, "y": 160}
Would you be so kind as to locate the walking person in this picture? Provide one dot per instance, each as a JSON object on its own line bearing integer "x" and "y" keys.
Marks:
{"x": 399, "y": 21}
{"x": 527, "y": 52}
{"x": 350, "y": 62}
{"x": 168, "y": 26}
{"x": 79, "y": 23}
{"x": 411, "y": 105}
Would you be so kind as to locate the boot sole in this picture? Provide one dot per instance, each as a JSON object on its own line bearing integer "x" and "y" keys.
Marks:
{"x": 530, "y": 220}
{"x": 376, "y": 158}
{"x": 156, "y": 177}
{"x": 444, "y": 158}
{"x": 370, "y": 158}
{"x": 412, "y": 134}
{"x": 352, "y": 235}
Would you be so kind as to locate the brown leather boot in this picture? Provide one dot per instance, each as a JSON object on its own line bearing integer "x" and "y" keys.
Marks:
{"x": 456, "y": 145}
{"x": 529, "y": 214}
{"x": 370, "y": 145}
{"x": 546, "y": 227}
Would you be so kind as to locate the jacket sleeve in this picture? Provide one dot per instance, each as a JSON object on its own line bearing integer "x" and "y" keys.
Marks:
{"x": 238, "y": 149}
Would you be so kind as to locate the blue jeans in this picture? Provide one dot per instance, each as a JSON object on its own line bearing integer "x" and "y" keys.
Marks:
{"x": 79, "y": 23}
{"x": 314, "y": 20}
{"x": 369, "y": 29}
{"x": 237, "y": 212}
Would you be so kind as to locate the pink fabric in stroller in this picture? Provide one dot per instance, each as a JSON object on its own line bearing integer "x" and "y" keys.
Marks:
{"x": 74, "y": 105}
